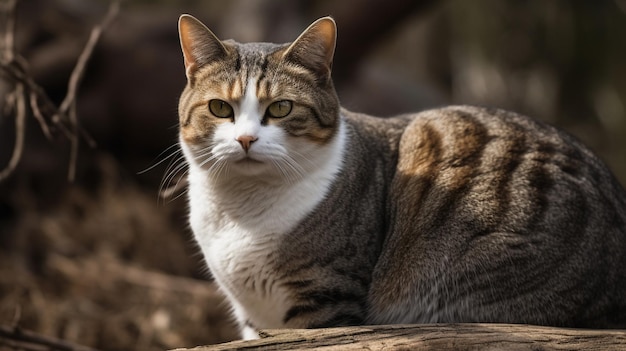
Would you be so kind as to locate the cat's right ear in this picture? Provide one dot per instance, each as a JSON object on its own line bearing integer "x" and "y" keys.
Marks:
{"x": 315, "y": 47}
{"x": 200, "y": 46}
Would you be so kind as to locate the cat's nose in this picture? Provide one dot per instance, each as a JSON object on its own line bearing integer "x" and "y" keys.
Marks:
{"x": 246, "y": 140}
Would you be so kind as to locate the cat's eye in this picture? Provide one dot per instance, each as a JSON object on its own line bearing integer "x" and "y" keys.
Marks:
{"x": 220, "y": 108}
{"x": 280, "y": 108}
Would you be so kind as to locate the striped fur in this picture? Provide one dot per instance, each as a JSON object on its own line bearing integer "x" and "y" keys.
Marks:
{"x": 326, "y": 217}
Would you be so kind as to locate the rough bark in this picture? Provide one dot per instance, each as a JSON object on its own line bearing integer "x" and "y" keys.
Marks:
{"x": 432, "y": 337}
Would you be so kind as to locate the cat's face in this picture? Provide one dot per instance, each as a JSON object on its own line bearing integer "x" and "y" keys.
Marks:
{"x": 257, "y": 109}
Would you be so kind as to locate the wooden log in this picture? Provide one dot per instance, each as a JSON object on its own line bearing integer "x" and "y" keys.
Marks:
{"x": 431, "y": 337}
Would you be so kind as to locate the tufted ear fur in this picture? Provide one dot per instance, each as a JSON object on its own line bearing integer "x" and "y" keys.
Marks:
{"x": 315, "y": 47}
{"x": 200, "y": 46}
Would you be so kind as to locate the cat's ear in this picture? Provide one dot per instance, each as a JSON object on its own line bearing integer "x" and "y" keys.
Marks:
{"x": 199, "y": 44}
{"x": 315, "y": 47}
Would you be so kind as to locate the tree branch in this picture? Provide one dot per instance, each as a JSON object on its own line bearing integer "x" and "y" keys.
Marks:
{"x": 20, "y": 131}
{"x": 13, "y": 68}
{"x": 16, "y": 98}
{"x": 7, "y": 9}
{"x": 440, "y": 337}
{"x": 68, "y": 106}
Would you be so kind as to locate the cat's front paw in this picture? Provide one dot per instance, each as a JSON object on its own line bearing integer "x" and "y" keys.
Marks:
{"x": 249, "y": 333}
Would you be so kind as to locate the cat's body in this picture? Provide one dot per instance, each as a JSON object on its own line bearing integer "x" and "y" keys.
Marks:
{"x": 312, "y": 216}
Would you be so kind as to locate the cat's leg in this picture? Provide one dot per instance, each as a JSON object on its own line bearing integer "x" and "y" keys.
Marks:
{"x": 246, "y": 329}
{"x": 249, "y": 333}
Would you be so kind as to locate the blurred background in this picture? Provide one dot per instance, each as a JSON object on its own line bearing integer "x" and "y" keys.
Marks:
{"x": 105, "y": 262}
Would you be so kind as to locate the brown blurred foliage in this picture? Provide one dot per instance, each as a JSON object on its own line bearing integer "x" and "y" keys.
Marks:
{"x": 103, "y": 262}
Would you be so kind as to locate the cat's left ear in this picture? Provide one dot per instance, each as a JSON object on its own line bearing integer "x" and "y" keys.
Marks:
{"x": 315, "y": 47}
{"x": 199, "y": 44}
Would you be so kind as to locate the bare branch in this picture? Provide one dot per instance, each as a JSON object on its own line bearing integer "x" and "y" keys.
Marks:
{"x": 71, "y": 172}
{"x": 20, "y": 130}
{"x": 68, "y": 106}
{"x": 83, "y": 59}
{"x": 16, "y": 102}
{"x": 51, "y": 118}
{"x": 34, "y": 106}
{"x": 15, "y": 72}
{"x": 7, "y": 9}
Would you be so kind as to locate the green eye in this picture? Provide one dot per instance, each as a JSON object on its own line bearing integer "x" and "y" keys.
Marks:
{"x": 220, "y": 108}
{"x": 279, "y": 109}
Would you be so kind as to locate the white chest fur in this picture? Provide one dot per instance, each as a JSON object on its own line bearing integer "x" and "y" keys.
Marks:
{"x": 238, "y": 223}
{"x": 242, "y": 263}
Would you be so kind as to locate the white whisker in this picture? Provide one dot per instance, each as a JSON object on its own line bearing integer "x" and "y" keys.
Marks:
{"x": 173, "y": 167}
{"x": 303, "y": 162}
{"x": 167, "y": 182}
{"x": 177, "y": 168}
{"x": 181, "y": 193}
{"x": 217, "y": 167}
{"x": 162, "y": 160}
{"x": 295, "y": 165}
{"x": 282, "y": 171}
{"x": 291, "y": 170}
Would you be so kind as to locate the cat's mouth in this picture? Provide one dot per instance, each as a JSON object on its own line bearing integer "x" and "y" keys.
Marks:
{"x": 248, "y": 160}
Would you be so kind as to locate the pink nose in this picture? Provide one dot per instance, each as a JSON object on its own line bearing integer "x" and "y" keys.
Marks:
{"x": 245, "y": 141}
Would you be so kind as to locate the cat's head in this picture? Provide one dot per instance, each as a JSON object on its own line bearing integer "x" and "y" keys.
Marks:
{"x": 258, "y": 109}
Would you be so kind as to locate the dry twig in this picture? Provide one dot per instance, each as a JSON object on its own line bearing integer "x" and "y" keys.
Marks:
{"x": 68, "y": 106}
{"x": 13, "y": 68}
{"x": 15, "y": 100}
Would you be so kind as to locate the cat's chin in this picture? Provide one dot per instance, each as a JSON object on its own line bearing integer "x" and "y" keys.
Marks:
{"x": 249, "y": 166}
{"x": 249, "y": 161}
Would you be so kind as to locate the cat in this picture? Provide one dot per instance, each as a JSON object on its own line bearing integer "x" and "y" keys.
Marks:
{"x": 309, "y": 215}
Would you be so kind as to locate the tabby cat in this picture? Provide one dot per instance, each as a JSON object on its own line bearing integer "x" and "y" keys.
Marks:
{"x": 309, "y": 215}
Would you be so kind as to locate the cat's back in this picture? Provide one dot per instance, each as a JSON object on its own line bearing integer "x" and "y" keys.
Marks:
{"x": 483, "y": 195}
{"x": 465, "y": 143}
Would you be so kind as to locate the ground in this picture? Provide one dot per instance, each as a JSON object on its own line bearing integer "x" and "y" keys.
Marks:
{"x": 108, "y": 266}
